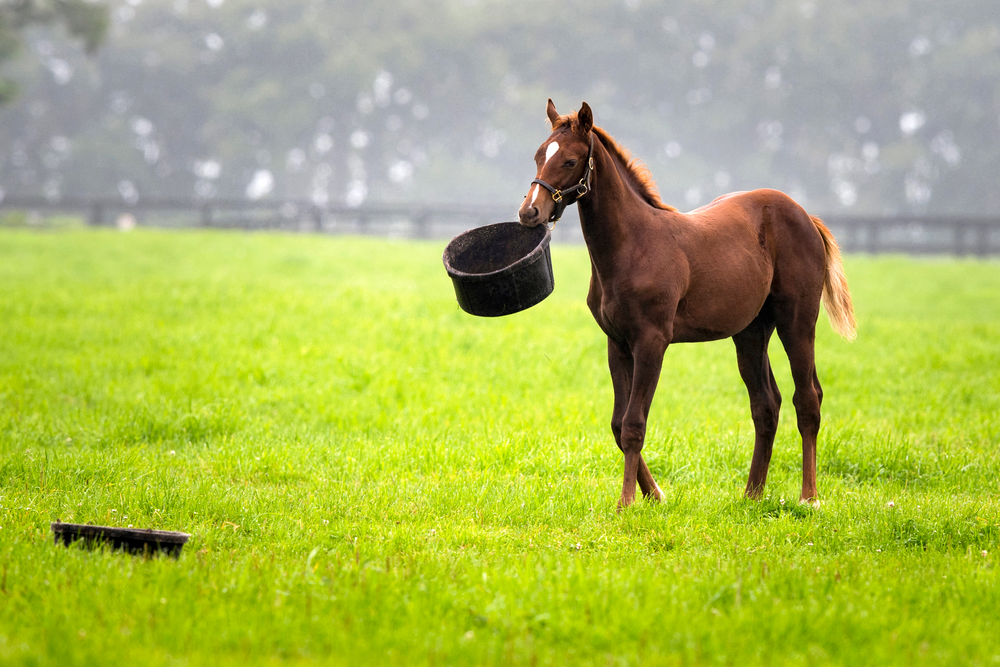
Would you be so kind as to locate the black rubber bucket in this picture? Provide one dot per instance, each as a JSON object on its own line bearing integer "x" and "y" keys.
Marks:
{"x": 500, "y": 269}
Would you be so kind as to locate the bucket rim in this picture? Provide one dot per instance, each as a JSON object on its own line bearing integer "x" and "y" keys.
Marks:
{"x": 536, "y": 253}
{"x": 86, "y": 530}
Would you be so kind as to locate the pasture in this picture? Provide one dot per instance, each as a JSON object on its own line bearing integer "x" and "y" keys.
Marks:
{"x": 371, "y": 476}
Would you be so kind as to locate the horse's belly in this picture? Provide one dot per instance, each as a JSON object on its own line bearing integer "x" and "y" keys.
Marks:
{"x": 700, "y": 331}
{"x": 721, "y": 308}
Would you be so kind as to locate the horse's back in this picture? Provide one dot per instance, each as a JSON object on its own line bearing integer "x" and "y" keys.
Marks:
{"x": 783, "y": 230}
{"x": 718, "y": 200}
{"x": 743, "y": 248}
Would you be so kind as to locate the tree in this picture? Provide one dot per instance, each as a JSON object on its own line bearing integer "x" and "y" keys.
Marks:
{"x": 83, "y": 20}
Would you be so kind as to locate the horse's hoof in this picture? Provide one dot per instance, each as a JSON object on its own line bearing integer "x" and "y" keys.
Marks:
{"x": 812, "y": 502}
{"x": 655, "y": 494}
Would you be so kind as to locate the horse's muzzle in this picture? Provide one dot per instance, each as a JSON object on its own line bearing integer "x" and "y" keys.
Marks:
{"x": 529, "y": 216}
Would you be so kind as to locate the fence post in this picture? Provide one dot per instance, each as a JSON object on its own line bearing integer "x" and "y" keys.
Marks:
{"x": 982, "y": 239}
{"x": 872, "y": 240}
{"x": 851, "y": 233}
{"x": 959, "y": 239}
{"x": 317, "y": 216}
{"x": 96, "y": 214}
{"x": 422, "y": 223}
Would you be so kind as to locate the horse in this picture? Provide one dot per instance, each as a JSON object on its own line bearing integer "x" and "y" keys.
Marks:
{"x": 742, "y": 267}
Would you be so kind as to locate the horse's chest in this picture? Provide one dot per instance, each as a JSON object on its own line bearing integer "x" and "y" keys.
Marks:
{"x": 599, "y": 309}
{"x": 610, "y": 311}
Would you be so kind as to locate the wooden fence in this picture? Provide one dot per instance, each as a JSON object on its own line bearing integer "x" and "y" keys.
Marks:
{"x": 979, "y": 236}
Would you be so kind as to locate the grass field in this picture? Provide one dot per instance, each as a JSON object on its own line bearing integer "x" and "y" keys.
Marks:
{"x": 371, "y": 476}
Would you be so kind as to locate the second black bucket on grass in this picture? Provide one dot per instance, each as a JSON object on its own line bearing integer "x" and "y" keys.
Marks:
{"x": 132, "y": 540}
{"x": 500, "y": 269}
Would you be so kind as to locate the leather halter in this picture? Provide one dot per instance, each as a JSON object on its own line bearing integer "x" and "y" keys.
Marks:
{"x": 579, "y": 190}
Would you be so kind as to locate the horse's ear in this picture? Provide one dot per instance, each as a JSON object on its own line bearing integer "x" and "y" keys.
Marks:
{"x": 586, "y": 118}
{"x": 550, "y": 110}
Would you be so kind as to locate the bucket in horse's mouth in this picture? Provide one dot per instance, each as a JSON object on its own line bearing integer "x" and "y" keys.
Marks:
{"x": 500, "y": 269}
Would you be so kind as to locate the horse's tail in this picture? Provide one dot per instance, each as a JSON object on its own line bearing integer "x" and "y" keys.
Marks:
{"x": 836, "y": 295}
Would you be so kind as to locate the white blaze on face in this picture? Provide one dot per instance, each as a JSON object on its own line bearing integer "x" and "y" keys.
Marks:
{"x": 551, "y": 150}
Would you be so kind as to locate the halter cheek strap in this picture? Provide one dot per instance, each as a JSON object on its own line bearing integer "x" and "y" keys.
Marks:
{"x": 578, "y": 190}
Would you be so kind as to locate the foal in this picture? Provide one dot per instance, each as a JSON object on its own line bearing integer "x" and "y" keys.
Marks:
{"x": 744, "y": 266}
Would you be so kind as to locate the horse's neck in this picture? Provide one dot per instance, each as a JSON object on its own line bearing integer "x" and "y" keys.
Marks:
{"x": 609, "y": 211}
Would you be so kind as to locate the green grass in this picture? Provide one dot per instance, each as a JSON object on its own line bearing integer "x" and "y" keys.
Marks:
{"x": 371, "y": 476}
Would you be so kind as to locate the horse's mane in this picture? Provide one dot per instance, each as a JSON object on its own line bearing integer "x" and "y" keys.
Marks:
{"x": 638, "y": 173}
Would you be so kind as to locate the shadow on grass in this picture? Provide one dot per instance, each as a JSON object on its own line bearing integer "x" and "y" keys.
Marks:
{"x": 768, "y": 509}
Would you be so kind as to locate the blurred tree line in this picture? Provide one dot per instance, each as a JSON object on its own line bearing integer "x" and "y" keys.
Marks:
{"x": 850, "y": 106}
{"x": 85, "y": 20}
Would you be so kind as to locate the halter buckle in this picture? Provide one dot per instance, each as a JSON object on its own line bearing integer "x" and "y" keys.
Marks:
{"x": 557, "y": 196}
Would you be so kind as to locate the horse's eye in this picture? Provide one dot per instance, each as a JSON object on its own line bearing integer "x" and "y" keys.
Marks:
{"x": 570, "y": 164}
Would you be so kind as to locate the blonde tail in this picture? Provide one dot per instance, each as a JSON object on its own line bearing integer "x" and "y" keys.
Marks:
{"x": 836, "y": 295}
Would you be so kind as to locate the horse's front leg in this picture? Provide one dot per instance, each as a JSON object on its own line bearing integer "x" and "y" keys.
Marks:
{"x": 620, "y": 363}
{"x": 647, "y": 357}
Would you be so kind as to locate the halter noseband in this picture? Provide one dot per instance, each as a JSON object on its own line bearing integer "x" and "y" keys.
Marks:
{"x": 580, "y": 189}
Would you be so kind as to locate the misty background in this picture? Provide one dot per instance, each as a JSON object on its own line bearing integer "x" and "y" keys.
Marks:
{"x": 867, "y": 107}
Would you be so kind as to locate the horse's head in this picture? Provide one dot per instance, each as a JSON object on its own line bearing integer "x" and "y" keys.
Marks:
{"x": 565, "y": 162}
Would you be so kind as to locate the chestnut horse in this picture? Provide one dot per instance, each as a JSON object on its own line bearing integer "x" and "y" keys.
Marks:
{"x": 744, "y": 266}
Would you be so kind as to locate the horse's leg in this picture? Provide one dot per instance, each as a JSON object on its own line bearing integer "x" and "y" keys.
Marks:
{"x": 648, "y": 485}
{"x": 620, "y": 363}
{"x": 765, "y": 399}
{"x": 647, "y": 356}
{"x": 797, "y": 330}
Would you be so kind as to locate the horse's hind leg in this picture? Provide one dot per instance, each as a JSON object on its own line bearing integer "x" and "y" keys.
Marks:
{"x": 648, "y": 486}
{"x": 796, "y": 327}
{"x": 620, "y": 364}
{"x": 765, "y": 399}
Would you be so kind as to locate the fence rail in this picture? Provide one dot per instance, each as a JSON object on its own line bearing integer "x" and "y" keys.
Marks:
{"x": 957, "y": 235}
